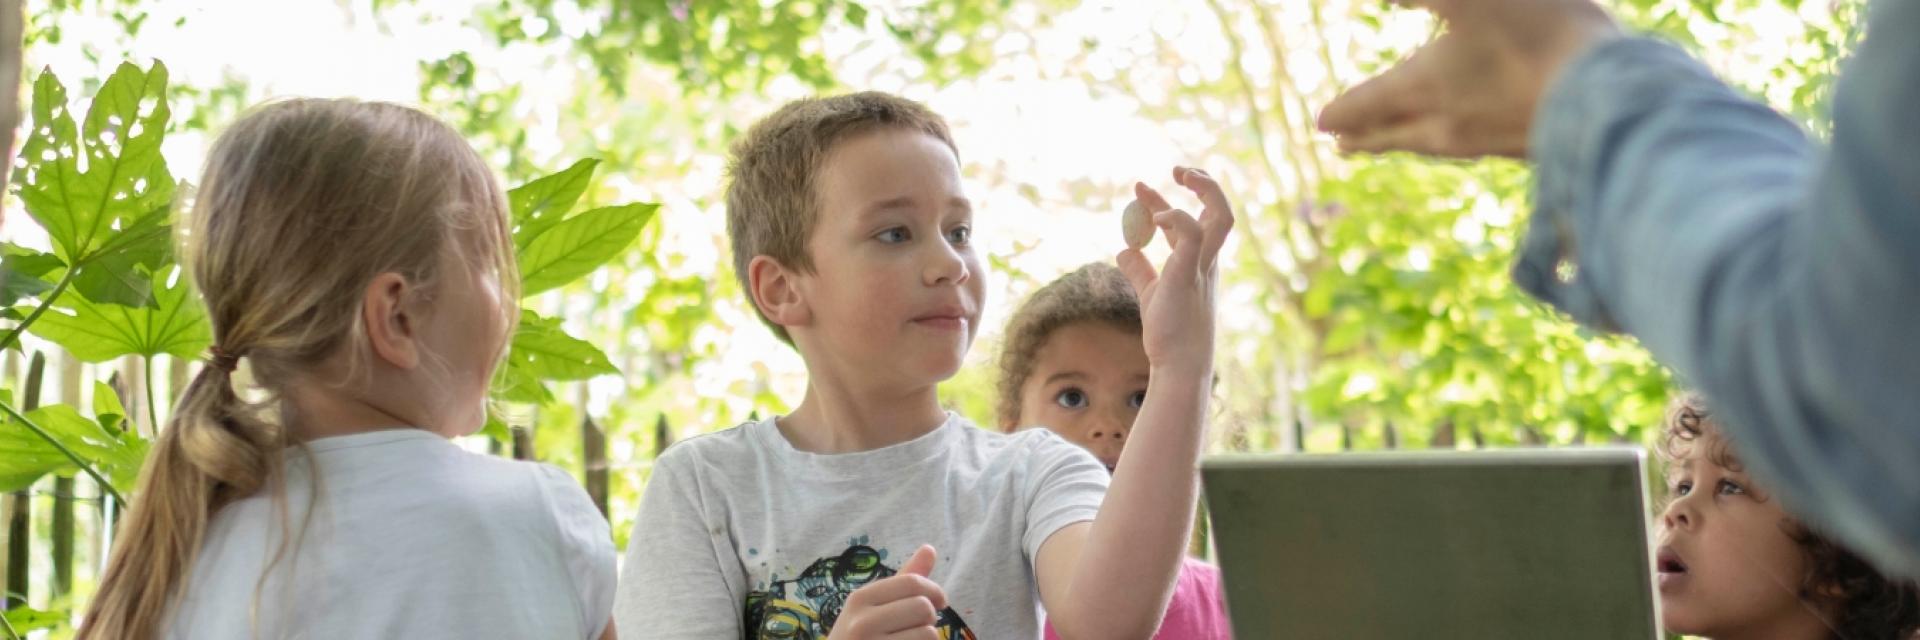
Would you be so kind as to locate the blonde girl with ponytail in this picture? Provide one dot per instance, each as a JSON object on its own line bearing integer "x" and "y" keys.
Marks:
{"x": 357, "y": 263}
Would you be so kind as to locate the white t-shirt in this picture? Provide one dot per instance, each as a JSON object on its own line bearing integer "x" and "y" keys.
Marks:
{"x": 742, "y": 536}
{"x": 412, "y": 537}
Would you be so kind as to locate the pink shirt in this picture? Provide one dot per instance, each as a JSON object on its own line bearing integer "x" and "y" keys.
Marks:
{"x": 1198, "y": 609}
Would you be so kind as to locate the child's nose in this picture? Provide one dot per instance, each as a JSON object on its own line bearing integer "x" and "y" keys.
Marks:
{"x": 1109, "y": 428}
{"x": 945, "y": 266}
{"x": 1678, "y": 516}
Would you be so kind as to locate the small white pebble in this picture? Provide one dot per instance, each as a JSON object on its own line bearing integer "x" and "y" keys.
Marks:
{"x": 1136, "y": 225}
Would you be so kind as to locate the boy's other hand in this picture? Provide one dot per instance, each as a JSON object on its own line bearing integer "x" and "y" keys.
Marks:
{"x": 1472, "y": 91}
{"x": 1177, "y": 303}
{"x": 904, "y": 606}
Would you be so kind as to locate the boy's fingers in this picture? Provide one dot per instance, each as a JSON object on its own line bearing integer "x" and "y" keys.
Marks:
{"x": 1218, "y": 217}
{"x": 905, "y": 614}
{"x": 1203, "y": 185}
{"x": 898, "y": 587}
{"x": 1183, "y": 232}
{"x": 1137, "y": 269}
{"x": 921, "y": 564}
{"x": 916, "y": 633}
{"x": 1150, "y": 198}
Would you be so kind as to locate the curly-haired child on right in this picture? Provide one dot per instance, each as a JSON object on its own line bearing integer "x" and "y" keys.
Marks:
{"x": 1734, "y": 564}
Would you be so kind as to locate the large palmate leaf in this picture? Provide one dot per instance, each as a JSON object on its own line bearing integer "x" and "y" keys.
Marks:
{"x": 25, "y": 272}
{"x": 25, "y": 456}
{"x": 102, "y": 191}
{"x": 176, "y": 324}
{"x": 90, "y": 186}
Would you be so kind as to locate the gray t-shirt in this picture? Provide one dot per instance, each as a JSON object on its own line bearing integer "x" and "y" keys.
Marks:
{"x": 412, "y": 537}
{"x": 741, "y": 535}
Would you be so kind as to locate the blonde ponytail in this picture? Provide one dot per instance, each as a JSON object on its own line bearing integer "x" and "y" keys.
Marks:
{"x": 302, "y": 203}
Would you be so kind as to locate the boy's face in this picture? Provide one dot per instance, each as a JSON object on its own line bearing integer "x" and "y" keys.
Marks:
{"x": 1087, "y": 384}
{"x": 896, "y": 291}
{"x": 1727, "y": 563}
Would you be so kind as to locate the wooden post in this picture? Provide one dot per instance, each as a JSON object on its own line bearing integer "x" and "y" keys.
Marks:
{"x": 662, "y": 436}
{"x": 135, "y": 396}
{"x": 20, "y": 516}
{"x": 64, "y": 490}
{"x": 1443, "y": 436}
{"x": 523, "y": 437}
{"x": 593, "y": 454}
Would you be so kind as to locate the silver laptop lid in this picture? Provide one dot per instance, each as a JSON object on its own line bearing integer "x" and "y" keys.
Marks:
{"x": 1532, "y": 543}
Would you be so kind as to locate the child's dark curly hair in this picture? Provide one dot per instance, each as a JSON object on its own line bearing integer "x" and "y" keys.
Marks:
{"x": 1866, "y": 604}
{"x": 1096, "y": 292}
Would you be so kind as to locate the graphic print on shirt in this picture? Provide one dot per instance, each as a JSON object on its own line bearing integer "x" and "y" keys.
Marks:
{"x": 805, "y": 607}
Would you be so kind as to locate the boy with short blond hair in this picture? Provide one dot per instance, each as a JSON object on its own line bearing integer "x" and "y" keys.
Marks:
{"x": 852, "y": 237}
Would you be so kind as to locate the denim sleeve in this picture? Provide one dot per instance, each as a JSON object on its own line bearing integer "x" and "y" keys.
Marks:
{"x": 1781, "y": 279}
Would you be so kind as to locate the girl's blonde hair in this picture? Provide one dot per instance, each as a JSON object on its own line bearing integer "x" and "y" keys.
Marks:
{"x": 303, "y": 202}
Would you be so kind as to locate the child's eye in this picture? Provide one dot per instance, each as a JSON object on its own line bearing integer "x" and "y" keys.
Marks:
{"x": 1071, "y": 398}
{"x": 1682, "y": 488}
{"x": 1729, "y": 488}
{"x": 1138, "y": 398}
{"x": 893, "y": 236}
{"x": 960, "y": 235}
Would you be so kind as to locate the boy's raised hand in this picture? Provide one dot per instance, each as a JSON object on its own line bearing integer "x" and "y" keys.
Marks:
{"x": 904, "y": 606}
{"x": 1177, "y": 302}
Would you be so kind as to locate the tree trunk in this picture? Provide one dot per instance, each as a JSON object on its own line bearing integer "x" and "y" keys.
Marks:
{"x": 12, "y": 28}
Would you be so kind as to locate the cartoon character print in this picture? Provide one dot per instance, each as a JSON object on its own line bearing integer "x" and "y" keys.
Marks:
{"x": 806, "y": 606}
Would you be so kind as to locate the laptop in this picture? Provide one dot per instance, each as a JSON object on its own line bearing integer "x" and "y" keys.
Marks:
{"x": 1529, "y": 543}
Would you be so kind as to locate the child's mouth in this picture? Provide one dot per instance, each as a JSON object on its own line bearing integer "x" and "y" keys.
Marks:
{"x": 1670, "y": 567}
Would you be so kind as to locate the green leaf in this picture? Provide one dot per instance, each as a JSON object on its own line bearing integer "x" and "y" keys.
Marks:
{"x": 26, "y": 621}
{"x": 107, "y": 409}
{"x": 124, "y": 185}
{"x": 544, "y": 202}
{"x": 26, "y": 457}
{"x": 118, "y": 273}
{"x": 497, "y": 429}
{"x": 23, "y": 272}
{"x": 544, "y": 351}
{"x": 517, "y": 384}
{"x": 578, "y": 245}
{"x": 176, "y": 324}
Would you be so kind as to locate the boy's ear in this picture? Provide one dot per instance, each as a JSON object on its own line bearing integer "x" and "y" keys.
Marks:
{"x": 392, "y": 327}
{"x": 775, "y": 290}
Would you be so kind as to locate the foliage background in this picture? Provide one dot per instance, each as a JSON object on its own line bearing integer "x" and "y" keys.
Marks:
{"x": 1368, "y": 302}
